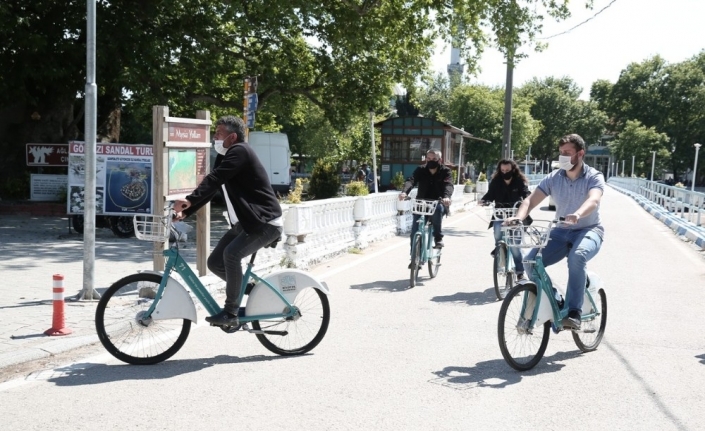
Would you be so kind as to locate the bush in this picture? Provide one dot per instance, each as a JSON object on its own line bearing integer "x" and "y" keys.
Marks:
{"x": 398, "y": 180}
{"x": 356, "y": 188}
{"x": 294, "y": 196}
{"x": 324, "y": 180}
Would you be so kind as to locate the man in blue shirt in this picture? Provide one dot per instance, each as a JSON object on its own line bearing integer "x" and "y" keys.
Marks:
{"x": 576, "y": 189}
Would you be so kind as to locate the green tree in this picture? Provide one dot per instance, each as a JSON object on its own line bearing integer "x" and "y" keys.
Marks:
{"x": 639, "y": 141}
{"x": 556, "y": 106}
{"x": 480, "y": 111}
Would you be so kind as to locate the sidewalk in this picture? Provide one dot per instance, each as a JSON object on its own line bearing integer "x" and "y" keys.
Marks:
{"x": 33, "y": 249}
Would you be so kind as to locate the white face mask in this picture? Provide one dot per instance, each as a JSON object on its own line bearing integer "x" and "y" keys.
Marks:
{"x": 219, "y": 148}
{"x": 564, "y": 163}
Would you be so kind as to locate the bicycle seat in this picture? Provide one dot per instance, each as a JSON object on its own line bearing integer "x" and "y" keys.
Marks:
{"x": 274, "y": 243}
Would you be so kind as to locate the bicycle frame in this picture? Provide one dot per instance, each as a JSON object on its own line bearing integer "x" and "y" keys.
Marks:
{"x": 177, "y": 263}
{"x": 426, "y": 231}
{"x": 546, "y": 307}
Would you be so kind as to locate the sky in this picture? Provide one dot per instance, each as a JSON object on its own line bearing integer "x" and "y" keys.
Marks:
{"x": 628, "y": 31}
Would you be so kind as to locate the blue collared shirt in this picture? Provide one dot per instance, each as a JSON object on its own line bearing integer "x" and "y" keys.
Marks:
{"x": 569, "y": 195}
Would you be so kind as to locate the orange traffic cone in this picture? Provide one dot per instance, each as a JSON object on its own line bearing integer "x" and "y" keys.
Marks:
{"x": 58, "y": 320}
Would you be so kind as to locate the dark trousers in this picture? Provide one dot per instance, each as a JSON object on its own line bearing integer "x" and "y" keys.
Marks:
{"x": 225, "y": 260}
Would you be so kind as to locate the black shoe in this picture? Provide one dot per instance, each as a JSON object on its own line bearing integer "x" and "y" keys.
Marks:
{"x": 438, "y": 244}
{"x": 520, "y": 276}
{"x": 223, "y": 318}
{"x": 571, "y": 321}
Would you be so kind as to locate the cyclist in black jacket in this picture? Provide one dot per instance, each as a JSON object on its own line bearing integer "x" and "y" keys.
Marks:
{"x": 435, "y": 182}
{"x": 507, "y": 187}
{"x": 253, "y": 209}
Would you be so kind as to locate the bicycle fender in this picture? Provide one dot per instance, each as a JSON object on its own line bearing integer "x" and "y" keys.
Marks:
{"x": 176, "y": 302}
{"x": 545, "y": 312}
{"x": 289, "y": 282}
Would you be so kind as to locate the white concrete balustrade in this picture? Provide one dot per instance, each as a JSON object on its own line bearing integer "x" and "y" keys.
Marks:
{"x": 318, "y": 230}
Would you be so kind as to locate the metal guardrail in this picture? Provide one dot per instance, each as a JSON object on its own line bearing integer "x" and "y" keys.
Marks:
{"x": 681, "y": 202}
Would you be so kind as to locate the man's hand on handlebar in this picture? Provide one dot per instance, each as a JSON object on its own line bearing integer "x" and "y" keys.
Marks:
{"x": 446, "y": 201}
{"x": 570, "y": 218}
{"x": 180, "y": 206}
{"x": 511, "y": 221}
{"x": 402, "y": 196}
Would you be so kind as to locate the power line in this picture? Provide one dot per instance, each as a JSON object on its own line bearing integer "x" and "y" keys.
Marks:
{"x": 573, "y": 28}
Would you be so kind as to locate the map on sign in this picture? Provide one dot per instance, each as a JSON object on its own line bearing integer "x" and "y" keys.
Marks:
{"x": 182, "y": 171}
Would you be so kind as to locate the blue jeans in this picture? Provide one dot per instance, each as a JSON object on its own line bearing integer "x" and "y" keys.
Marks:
{"x": 579, "y": 245}
{"x": 516, "y": 252}
{"x": 436, "y": 219}
{"x": 225, "y": 260}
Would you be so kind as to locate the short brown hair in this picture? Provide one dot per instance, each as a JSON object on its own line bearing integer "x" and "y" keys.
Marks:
{"x": 574, "y": 139}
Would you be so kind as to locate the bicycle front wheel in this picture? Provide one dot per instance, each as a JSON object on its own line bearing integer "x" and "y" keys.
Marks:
{"x": 434, "y": 262}
{"x": 591, "y": 330}
{"x": 503, "y": 271}
{"x": 301, "y": 333}
{"x": 415, "y": 260}
{"x": 522, "y": 347}
{"x": 126, "y": 333}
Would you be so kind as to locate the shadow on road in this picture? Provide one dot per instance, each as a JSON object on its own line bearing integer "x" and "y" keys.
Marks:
{"x": 702, "y": 358}
{"x": 384, "y": 286}
{"x": 469, "y": 298}
{"x": 93, "y": 374}
{"x": 496, "y": 373}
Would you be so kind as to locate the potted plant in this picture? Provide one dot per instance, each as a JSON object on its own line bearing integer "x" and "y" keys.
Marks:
{"x": 468, "y": 186}
{"x": 482, "y": 184}
{"x": 398, "y": 181}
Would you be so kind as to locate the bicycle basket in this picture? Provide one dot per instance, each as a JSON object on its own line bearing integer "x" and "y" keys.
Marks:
{"x": 149, "y": 227}
{"x": 504, "y": 213}
{"x": 534, "y": 236}
{"x": 422, "y": 207}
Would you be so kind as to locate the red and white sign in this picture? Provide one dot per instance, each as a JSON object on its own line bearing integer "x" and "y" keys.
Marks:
{"x": 188, "y": 132}
{"x": 47, "y": 155}
{"x": 113, "y": 149}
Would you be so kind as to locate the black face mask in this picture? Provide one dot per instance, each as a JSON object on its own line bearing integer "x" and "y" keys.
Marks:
{"x": 432, "y": 164}
{"x": 507, "y": 175}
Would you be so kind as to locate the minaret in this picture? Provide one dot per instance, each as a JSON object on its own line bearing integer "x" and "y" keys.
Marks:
{"x": 455, "y": 66}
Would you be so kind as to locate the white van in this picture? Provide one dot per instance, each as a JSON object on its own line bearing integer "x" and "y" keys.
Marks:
{"x": 272, "y": 149}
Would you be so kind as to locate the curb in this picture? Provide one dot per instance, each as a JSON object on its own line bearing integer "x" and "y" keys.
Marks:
{"x": 679, "y": 226}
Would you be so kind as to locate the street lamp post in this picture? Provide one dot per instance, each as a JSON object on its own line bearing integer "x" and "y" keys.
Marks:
{"x": 622, "y": 167}
{"x": 653, "y": 163}
{"x": 374, "y": 155}
{"x": 695, "y": 167}
{"x": 633, "y": 165}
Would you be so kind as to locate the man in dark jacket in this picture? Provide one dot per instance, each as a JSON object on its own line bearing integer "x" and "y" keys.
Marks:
{"x": 435, "y": 181}
{"x": 254, "y": 212}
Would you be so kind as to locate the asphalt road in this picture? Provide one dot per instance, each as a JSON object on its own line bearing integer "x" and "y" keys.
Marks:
{"x": 396, "y": 358}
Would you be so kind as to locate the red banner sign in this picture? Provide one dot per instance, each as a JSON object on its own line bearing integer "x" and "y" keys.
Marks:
{"x": 47, "y": 155}
{"x": 188, "y": 132}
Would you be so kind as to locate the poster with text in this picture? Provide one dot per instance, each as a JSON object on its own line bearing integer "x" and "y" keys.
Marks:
{"x": 124, "y": 175}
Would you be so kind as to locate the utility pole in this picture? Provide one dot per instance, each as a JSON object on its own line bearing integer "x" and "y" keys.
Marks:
{"x": 507, "y": 132}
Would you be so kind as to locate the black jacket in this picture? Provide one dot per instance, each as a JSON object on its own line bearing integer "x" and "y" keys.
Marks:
{"x": 247, "y": 184}
{"x": 506, "y": 195}
{"x": 431, "y": 186}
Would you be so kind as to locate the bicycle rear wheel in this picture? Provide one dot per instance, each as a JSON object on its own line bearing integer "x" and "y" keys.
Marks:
{"x": 301, "y": 333}
{"x": 122, "y": 329}
{"x": 415, "y": 260}
{"x": 591, "y": 331}
{"x": 504, "y": 274}
{"x": 521, "y": 346}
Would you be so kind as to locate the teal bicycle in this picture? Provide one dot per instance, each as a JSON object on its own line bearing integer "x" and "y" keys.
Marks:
{"x": 534, "y": 307}
{"x": 503, "y": 268}
{"x": 422, "y": 250}
{"x": 145, "y": 318}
